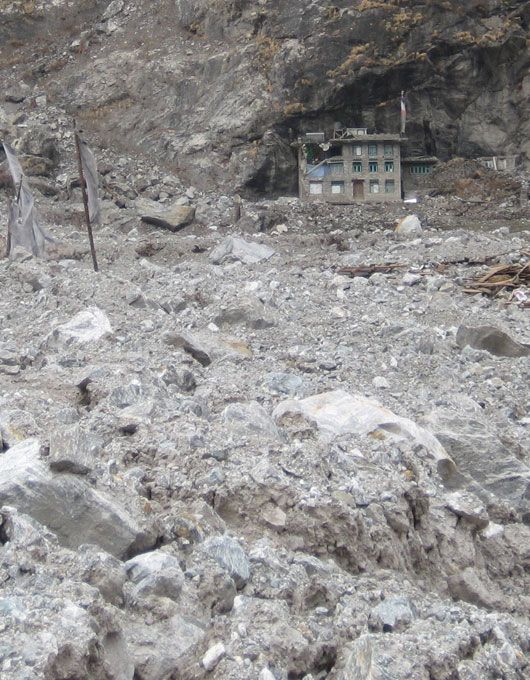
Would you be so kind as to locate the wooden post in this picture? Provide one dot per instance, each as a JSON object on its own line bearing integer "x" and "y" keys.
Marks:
{"x": 8, "y": 238}
{"x": 85, "y": 199}
{"x": 237, "y": 209}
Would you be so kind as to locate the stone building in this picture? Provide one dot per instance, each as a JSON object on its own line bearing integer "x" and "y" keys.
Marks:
{"x": 501, "y": 163}
{"x": 353, "y": 166}
{"x": 416, "y": 174}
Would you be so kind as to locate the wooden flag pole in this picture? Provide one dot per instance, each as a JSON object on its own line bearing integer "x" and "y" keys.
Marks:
{"x": 85, "y": 199}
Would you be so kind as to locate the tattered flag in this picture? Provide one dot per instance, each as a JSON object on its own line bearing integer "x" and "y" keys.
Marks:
{"x": 23, "y": 226}
{"x": 90, "y": 172}
{"x": 403, "y": 113}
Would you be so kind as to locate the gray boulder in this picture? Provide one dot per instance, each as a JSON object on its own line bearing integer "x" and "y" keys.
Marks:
{"x": 250, "y": 418}
{"x": 234, "y": 248}
{"x": 173, "y": 218}
{"x": 248, "y": 312}
{"x": 409, "y": 226}
{"x": 229, "y": 555}
{"x": 159, "y": 649}
{"x": 478, "y": 452}
{"x": 66, "y": 505}
{"x": 372, "y": 658}
{"x": 104, "y": 572}
{"x": 467, "y": 586}
{"x": 392, "y": 614}
{"x": 73, "y": 450}
{"x": 156, "y": 573}
{"x": 492, "y": 340}
{"x": 15, "y": 426}
{"x": 88, "y": 326}
{"x": 284, "y": 384}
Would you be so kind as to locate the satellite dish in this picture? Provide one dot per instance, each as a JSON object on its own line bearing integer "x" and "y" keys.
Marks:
{"x": 325, "y": 147}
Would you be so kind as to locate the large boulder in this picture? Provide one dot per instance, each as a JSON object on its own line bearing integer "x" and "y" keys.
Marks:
{"x": 409, "y": 225}
{"x": 492, "y": 340}
{"x": 477, "y": 450}
{"x": 237, "y": 249}
{"x": 229, "y": 555}
{"x": 73, "y": 450}
{"x": 174, "y": 218}
{"x": 67, "y": 505}
{"x": 251, "y": 419}
{"x": 337, "y": 412}
{"x": 156, "y": 573}
{"x": 159, "y": 649}
{"x": 87, "y": 326}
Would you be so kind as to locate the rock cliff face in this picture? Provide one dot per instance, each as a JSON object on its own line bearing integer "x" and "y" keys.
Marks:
{"x": 218, "y": 89}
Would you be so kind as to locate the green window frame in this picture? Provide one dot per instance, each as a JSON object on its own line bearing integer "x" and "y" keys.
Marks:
{"x": 372, "y": 150}
{"x": 389, "y": 166}
{"x": 357, "y": 166}
{"x": 373, "y": 166}
{"x": 390, "y": 186}
{"x": 389, "y": 150}
{"x": 420, "y": 169}
{"x": 336, "y": 168}
{"x": 374, "y": 186}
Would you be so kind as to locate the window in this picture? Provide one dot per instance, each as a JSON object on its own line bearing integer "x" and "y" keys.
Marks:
{"x": 336, "y": 168}
{"x": 372, "y": 150}
{"x": 315, "y": 187}
{"x": 374, "y": 186}
{"x": 373, "y": 166}
{"x": 390, "y": 186}
{"x": 389, "y": 166}
{"x": 357, "y": 166}
{"x": 337, "y": 187}
{"x": 420, "y": 169}
{"x": 389, "y": 150}
{"x": 501, "y": 164}
{"x": 357, "y": 150}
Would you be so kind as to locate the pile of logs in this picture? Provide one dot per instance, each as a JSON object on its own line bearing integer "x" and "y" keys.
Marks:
{"x": 501, "y": 277}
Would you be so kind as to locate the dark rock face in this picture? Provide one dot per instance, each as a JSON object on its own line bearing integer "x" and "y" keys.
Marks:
{"x": 221, "y": 88}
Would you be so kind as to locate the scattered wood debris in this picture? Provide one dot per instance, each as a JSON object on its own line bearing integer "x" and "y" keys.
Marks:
{"x": 499, "y": 278}
{"x": 366, "y": 270}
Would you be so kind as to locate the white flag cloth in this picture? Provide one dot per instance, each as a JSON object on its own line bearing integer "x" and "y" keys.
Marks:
{"x": 403, "y": 114}
{"x": 90, "y": 172}
{"x": 23, "y": 226}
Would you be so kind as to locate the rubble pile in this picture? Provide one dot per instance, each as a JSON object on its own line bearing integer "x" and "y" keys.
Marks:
{"x": 469, "y": 179}
{"x": 242, "y": 449}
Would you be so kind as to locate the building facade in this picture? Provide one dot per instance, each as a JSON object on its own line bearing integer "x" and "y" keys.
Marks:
{"x": 351, "y": 167}
{"x": 416, "y": 174}
{"x": 501, "y": 163}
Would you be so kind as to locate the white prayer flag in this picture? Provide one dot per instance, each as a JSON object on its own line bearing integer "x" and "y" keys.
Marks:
{"x": 23, "y": 226}
{"x": 403, "y": 114}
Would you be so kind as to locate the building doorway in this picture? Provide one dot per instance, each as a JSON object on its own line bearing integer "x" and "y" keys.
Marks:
{"x": 358, "y": 189}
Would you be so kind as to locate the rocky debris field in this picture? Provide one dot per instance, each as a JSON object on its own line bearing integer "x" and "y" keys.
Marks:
{"x": 225, "y": 456}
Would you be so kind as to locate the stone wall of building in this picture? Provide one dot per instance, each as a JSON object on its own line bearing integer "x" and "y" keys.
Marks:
{"x": 367, "y": 170}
